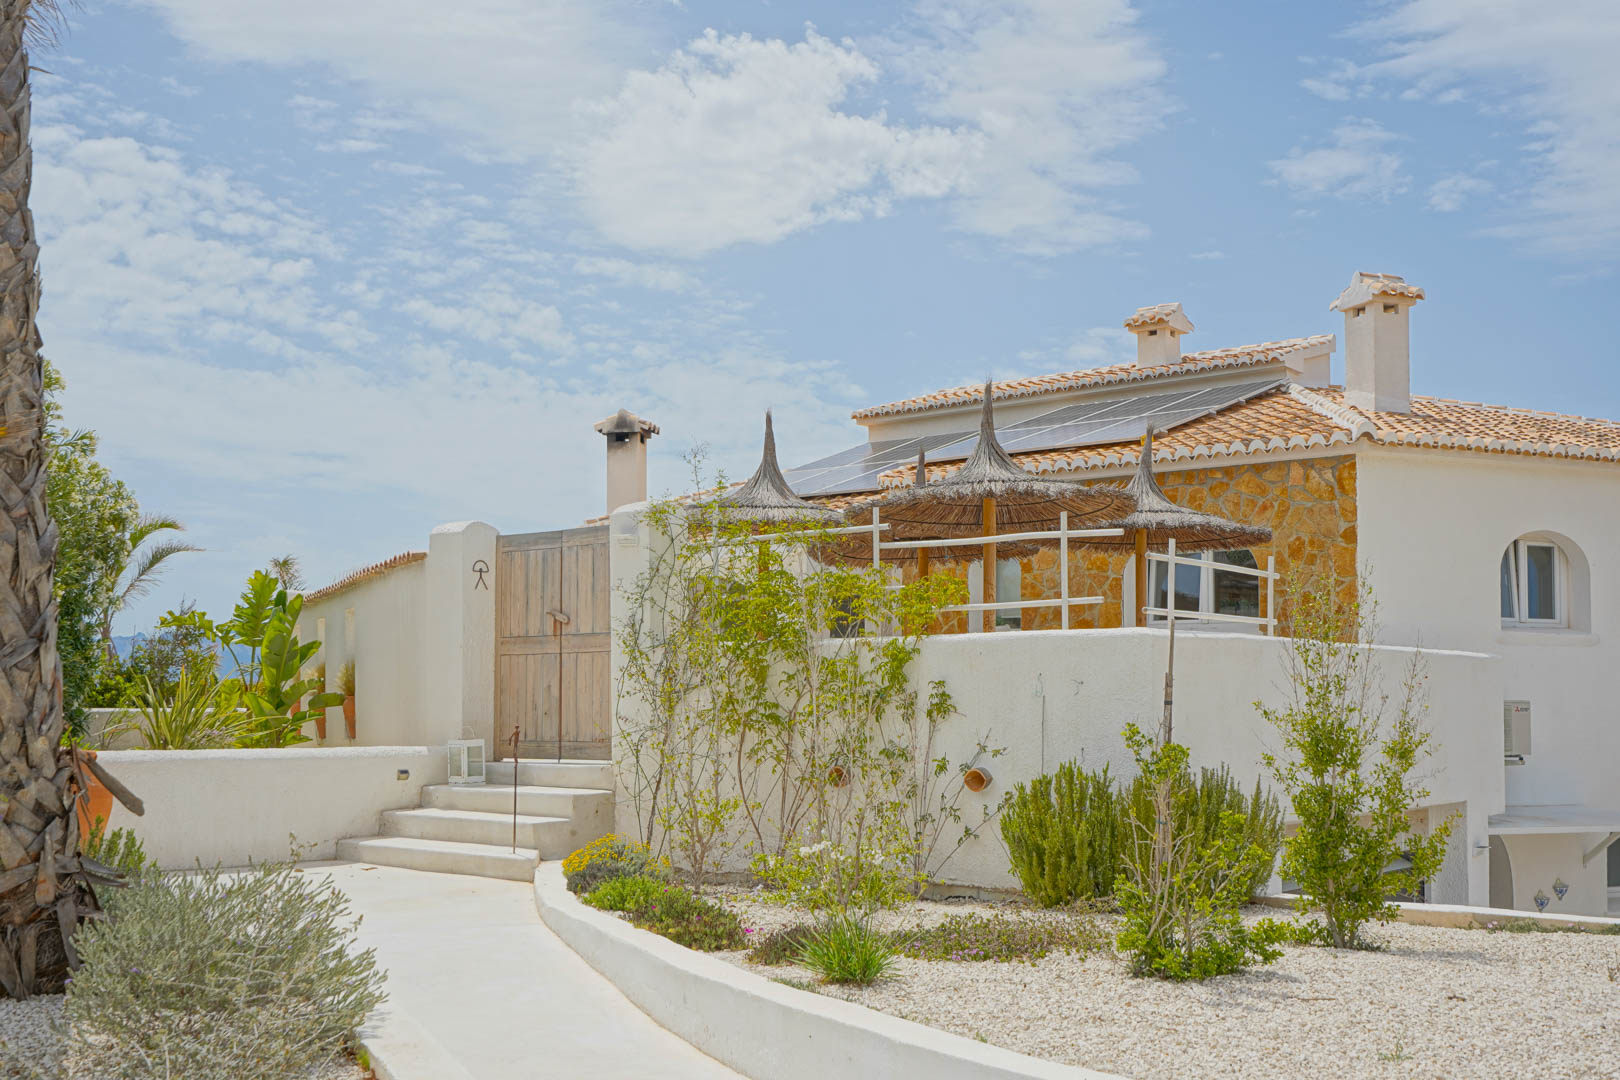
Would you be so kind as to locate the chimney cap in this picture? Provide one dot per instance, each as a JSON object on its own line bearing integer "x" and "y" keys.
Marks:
{"x": 1156, "y": 316}
{"x": 1364, "y": 286}
{"x": 624, "y": 424}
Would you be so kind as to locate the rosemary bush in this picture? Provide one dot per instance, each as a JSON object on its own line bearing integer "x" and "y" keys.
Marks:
{"x": 218, "y": 976}
{"x": 1062, "y": 832}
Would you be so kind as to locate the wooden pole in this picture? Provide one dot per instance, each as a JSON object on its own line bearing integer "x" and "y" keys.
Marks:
{"x": 988, "y": 522}
{"x": 922, "y": 563}
{"x": 1063, "y": 571}
{"x": 1141, "y": 540}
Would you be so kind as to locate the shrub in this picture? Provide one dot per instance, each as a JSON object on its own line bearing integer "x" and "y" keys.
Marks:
{"x": 1347, "y": 767}
{"x": 216, "y": 976}
{"x": 847, "y": 950}
{"x": 625, "y": 893}
{"x": 609, "y": 857}
{"x": 781, "y": 946}
{"x": 688, "y": 919}
{"x": 1185, "y": 881}
{"x": 1062, "y": 833}
{"x": 1199, "y": 806}
{"x": 997, "y": 937}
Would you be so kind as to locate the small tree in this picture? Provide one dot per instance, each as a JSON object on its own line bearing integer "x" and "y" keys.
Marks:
{"x": 1347, "y": 760}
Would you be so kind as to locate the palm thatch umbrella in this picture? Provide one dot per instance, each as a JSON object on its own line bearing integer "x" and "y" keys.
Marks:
{"x": 991, "y": 493}
{"x": 857, "y": 547}
{"x": 1156, "y": 520}
{"x": 766, "y": 498}
{"x": 1153, "y": 525}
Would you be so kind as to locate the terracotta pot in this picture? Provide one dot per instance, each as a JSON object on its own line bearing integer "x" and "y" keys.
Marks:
{"x": 348, "y": 714}
{"x": 837, "y": 777}
{"x": 320, "y": 724}
{"x": 976, "y": 779}
{"x": 94, "y": 803}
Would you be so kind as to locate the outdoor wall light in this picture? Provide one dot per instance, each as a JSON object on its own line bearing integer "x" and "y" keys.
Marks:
{"x": 402, "y": 774}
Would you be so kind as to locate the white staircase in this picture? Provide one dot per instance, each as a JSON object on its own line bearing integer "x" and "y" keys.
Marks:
{"x": 467, "y": 828}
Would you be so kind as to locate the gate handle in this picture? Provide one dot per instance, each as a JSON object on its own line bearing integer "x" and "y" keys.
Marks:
{"x": 559, "y": 616}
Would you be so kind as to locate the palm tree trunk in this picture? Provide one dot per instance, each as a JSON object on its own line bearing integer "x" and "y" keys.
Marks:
{"x": 43, "y": 892}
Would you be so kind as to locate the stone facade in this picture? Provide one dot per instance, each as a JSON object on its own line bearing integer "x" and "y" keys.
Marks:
{"x": 1310, "y": 506}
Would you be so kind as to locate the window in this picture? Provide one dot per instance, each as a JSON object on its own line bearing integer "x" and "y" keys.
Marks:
{"x": 1009, "y": 586}
{"x": 1207, "y": 589}
{"x": 1534, "y": 576}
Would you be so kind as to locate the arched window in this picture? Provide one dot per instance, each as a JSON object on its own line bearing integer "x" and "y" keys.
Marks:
{"x": 1206, "y": 589}
{"x": 1535, "y": 587}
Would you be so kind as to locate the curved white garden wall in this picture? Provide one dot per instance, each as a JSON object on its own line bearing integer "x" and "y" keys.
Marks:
{"x": 233, "y": 807}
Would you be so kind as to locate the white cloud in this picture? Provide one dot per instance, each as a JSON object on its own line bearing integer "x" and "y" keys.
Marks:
{"x": 1339, "y": 81}
{"x": 1554, "y": 65}
{"x": 496, "y": 76}
{"x": 654, "y": 276}
{"x": 738, "y": 140}
{"x": 1051, "y": 89}
{"x": 1357, "y": 164}
{"x": 1449, "y": 193}
{"x": 1207, "y": 256}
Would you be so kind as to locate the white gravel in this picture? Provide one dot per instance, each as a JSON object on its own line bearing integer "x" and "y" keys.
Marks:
{"x": 31, "y": 1050}
{"x": 1434, "y": 1002}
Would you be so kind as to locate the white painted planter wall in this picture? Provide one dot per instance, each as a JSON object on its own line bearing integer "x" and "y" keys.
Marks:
{"x": 232, "y": 807}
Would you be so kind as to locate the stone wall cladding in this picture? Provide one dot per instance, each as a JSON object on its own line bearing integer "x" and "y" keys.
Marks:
{"x": 1310, "y": 506}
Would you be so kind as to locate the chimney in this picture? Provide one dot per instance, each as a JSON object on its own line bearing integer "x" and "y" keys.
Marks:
{"x": 1377, "y": 346}
{"x": 627, "y": 436}
{"x": 1158, "y": 331}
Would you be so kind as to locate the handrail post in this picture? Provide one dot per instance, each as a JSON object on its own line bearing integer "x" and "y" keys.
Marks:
{"x": 1063, "y": 564}
{"x": 877, "y": 541}
{"x": 1271, "y": 596}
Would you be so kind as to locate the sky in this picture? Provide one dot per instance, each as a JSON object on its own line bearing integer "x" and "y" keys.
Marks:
{"x": 322, "y": 275}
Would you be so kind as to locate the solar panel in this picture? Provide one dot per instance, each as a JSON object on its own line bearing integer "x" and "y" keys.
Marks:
{"x": 1083, "y": 423}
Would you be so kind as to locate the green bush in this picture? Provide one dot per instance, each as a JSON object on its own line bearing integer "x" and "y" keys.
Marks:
{"x": 1062, "y": 833}
{"x": 688, "y": 919}
{"x": 847, "y": 950}
{"x": 216, "y": 976}
{"x": 1069, "y": 833}
{"x": 997, "y": 937}
{"x": 781, "y": 946}
{"x": 625, "y": 893}
{"x": 609, "y": 857}
{"x": 1188, "y": 870}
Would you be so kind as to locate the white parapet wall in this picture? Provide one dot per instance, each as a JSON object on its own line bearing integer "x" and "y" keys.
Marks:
{"x": 422, "y": 638}
{"x": 233, "y": 807}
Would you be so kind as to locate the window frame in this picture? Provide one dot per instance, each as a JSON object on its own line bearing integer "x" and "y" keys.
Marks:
{"x": 1158, "y": 571}
{"x": 1517, "y": 556}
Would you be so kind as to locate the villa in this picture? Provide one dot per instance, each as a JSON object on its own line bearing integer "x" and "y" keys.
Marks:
{"x": 1486, "y": 533}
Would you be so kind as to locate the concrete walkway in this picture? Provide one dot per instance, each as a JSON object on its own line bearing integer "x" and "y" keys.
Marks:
{"x": 479, "y": 989}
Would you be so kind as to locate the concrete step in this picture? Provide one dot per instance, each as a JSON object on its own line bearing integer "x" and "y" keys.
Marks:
{"x": 440, "y": 856}
{"x": 537, "y": 799}
{"x": 473, "y": 827}
{"x": 597, "y": 775}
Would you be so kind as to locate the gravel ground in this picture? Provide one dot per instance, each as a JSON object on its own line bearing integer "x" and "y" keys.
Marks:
{"x": 30, "y": 1049}
{"x": 1434, "y": 1002}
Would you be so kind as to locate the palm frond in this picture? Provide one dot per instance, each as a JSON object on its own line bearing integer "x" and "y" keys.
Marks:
{"x": 149, "y": 567}
{"x": 148, "y": 525}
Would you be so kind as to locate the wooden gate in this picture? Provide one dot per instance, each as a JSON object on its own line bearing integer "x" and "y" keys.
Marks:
{"x": 551, "y": 672}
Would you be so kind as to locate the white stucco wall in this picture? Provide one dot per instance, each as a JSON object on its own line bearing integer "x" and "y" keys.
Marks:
{"x": 1051, "y": 696}
{"x": 1432, "y": 528}
{"x": 230, "y": 807}
{"x": 423, "y": 644}
{"x": 1539, "y": 862}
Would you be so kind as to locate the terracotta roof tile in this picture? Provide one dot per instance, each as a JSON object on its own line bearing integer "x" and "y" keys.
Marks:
{"x": 1294, "y": 417}
{"x": 365, "y": 573}
{"x": 1240, "y": 356}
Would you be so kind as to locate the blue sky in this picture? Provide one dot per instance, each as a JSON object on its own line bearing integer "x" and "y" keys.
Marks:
{"x": 323, "y": 275}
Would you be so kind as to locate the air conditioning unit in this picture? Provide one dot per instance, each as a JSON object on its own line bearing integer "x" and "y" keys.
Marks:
{"x": 1516, "y": 730}
{"x": 466, "y": 761}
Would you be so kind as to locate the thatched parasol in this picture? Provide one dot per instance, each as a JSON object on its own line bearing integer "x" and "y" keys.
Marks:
{"x": 1154, "y": 524}
{"x": 857, "y": 547}
{"x": 767, "y": 499}
{"x": 1156, "y": 520}
{"x": 990, "y": 494}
